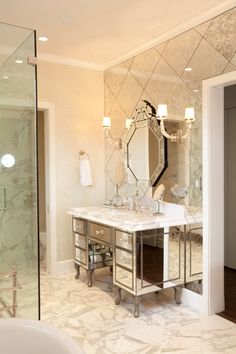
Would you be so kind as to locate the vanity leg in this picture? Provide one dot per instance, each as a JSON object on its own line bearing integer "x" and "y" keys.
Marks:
{"x": 77, "y": 269}
{"x": 178, "y": 293}
{"x": 118, "y": 295}
{"x": 90, "y": 277}
{"x": 136, "y": 306}
{"x": 103, "y": 259}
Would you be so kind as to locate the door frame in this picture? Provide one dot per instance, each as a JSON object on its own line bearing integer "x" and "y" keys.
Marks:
{"x": 213, "y": 191}
{"x": 50, "y": 183}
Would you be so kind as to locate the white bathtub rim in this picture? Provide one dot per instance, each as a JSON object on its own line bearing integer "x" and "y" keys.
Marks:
{"x": 58, "y": 335}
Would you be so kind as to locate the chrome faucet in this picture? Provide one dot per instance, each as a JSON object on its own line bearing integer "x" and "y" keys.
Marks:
{"x": 132, "y": 204}
{"x": 157, "y": 207}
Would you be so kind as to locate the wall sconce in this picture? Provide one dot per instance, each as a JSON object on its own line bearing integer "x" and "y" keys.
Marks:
{"x": 178, "y": 136}
{"x": 106, "y": 124}
{"x": 161, "y": 115}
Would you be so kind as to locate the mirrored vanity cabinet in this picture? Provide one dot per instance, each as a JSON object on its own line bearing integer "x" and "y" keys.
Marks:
{"x": 146, "y": 253}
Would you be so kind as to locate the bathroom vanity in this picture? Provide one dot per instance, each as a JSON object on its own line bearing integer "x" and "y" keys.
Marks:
{"x": 146, "y": 252}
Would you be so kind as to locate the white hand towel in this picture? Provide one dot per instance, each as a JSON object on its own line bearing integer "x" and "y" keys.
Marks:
{"x": 85, "y": 173}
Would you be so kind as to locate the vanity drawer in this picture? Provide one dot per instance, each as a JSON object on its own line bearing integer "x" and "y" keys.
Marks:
{"x": 124, "y": 240}
{"x": 80, "y": 255}
{"x": 124, "y": 258}
{"x": 80, "y": 241}
{"x": 79, "y": 225}
{"x": 124, "y": 277}
{"x": 100, "y": 232}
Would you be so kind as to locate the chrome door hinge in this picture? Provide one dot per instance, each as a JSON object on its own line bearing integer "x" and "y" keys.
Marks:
{"x": 32, "y": 61}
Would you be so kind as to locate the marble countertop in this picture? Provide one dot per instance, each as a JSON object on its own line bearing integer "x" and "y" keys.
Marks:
{"x": 131, "y": 221}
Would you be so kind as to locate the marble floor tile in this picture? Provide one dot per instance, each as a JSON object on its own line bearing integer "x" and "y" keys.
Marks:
{"x": 90, "y": 316}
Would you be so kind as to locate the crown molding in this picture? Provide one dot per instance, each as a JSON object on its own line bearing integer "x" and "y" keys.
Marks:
{"x": 49, "y": 58}
{"x": 183, "y": 27}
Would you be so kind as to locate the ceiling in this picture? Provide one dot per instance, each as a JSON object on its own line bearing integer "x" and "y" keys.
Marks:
{"x": 102, "y": 32}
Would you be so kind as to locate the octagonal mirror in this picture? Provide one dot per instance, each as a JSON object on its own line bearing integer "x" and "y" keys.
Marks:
{"x": 146, "y": 149}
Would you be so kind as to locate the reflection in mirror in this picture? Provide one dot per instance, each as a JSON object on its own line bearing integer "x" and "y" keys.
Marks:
{"x": 146, "y": 148}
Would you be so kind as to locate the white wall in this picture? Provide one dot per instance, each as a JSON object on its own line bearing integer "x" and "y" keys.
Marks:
{"x": 78, "y": 98}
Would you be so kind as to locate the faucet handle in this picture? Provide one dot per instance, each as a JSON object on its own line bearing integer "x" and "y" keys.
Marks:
{"x": 157, "y": 207}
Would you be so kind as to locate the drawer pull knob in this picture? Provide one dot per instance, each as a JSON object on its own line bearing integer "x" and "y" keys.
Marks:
{"x": 99, "y": 232}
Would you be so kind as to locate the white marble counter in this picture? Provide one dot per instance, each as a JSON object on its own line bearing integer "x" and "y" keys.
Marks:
{"x": 131, "y": 221}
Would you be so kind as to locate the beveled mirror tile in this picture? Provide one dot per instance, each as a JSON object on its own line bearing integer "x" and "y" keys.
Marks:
{"x": 160, "y": 47}
{"x": 110, "y": 188}
{"x": 206, "y": 62}
{"x": 162, "y": 83}
{"x": 128, "y": 63}
{"x": 109, "y": 100}
{"x": 222, "y": 33}
{"x": 233, "y": 60}
{"x": 180, "y": 49}
{"x": 118, "y": 117}
{"x": 108, "y": 149}
{"x": 146, "y": 97}
{"x": 195, "y": 86}
{"x": 203, "y": 27}
{"x": 115, "y": 168}
{"x": 129, "y": 94}
{"x": 114, "y": 77}
{"x": 143, "y": 66}
{"x": 182, "y": 98}
{"x": 230, "y": 67}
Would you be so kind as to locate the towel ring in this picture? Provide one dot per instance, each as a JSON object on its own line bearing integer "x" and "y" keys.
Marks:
{"x": 83, "y": 154}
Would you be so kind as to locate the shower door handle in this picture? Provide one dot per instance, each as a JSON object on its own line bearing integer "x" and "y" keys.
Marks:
{"x": 4, "y": 194}
{"x": 4, "y": 198}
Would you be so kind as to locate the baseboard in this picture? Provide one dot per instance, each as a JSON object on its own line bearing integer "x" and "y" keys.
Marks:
{"x": 189, "y": 298}
{"x": 65, "y": 266}
{"x": 192, "y": 300}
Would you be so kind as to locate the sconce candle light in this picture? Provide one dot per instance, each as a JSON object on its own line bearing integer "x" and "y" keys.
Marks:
{"x": 106, "y": 123}
{"x": 128, "y": 123}
{"x": 178, "y": 136}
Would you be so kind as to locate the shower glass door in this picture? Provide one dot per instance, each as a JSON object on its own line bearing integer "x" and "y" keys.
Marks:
{"x": 19, "y": 276}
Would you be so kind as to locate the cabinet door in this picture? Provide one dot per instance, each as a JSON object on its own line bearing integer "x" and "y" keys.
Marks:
{"x": 160, "y": 258}
{"x": 123, "y": 277}
{"x": 80, "y": 241}
{"x": 174, "y": 257}
{"x": 194, "y": 253}
{"x": 124, "y": 240}
{"x": 79, "y": 226}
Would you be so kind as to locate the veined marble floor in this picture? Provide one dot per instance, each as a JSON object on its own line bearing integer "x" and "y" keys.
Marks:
{"x": 90, "y": 316}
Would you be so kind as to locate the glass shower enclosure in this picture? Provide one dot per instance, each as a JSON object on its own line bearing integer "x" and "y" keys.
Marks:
{"x": 19, "y": 273}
